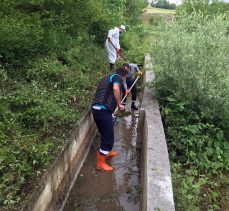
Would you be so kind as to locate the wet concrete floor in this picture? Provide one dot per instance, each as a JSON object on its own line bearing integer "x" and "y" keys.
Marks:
{"x": 118, "y": 190}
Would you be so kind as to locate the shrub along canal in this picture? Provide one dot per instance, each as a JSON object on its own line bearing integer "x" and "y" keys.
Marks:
{"x": 116, "y": 190}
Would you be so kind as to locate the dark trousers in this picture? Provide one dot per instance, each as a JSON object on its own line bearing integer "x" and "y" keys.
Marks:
{"x": 129, "y": 83}
{"x": 103, "y": 120}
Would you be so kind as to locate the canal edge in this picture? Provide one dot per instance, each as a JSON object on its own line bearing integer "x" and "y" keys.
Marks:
{"x": 156, "y": 182}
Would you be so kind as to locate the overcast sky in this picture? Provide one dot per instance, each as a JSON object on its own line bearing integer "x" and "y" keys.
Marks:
{"x": 175, "y": 1}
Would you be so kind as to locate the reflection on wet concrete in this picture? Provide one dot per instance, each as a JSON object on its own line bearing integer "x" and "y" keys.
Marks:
{"x": 117, "y": 190}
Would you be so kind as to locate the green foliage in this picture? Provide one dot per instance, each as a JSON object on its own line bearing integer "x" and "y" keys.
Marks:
{"x": 192, "y": 140}
{"x": 194, "y": 6}
{"x": 46, "y": 103}
{"x": 19, "y": 160}
{"x": 203, "y": 6}
{"x": 193, "y": 64}
{"x": 217, "y": 8}
{"x": 32, "y": 28}
{"x": 192, "y": 77}
{"x": 197, "y": 191}
{"x": 135, "y": 43}
{"x": 51, "y": 57}
{"x": 21, "y": 39}
{"x": 156, "y": 20}
{"x": 133, "y": 10}
{"x": 191, "y": 68}
{"x": 197, "y": 151}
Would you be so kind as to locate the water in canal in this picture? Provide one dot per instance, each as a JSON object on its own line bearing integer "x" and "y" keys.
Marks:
{"x": 117, "y": 190}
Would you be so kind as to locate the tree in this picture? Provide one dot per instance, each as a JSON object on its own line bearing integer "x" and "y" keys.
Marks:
{"x": 203, "y": 6}
{"x": 163, "y": 4}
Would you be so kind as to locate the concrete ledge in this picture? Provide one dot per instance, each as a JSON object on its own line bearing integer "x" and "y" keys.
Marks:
{"x": 157, "y": 193}
{"x": 54, "y": 187}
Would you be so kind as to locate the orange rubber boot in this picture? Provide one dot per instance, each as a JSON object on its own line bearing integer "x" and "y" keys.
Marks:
{"x": 111, "y": 154}
{"x": 101, "y": 164}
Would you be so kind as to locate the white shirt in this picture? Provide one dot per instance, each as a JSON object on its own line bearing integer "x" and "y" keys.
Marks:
{"x": 113, "y": 34}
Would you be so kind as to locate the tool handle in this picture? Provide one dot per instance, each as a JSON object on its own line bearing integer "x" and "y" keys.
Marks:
{"x": 117, "y": 50}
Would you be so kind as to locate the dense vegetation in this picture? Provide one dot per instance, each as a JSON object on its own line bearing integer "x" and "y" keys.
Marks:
{"x": 192, "y": 81}
{"x": 51, "y": 52}
{"x": 204, "y": 6}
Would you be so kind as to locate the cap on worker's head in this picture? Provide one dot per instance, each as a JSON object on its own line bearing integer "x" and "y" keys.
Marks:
{"x": 122, "y": 27}
{"x": 121, "y": 71}
{"x": 126, "y": 66}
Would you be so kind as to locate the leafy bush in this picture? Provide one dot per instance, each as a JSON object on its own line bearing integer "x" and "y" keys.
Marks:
{"x": 135, "y": 42}
{"x": 197, "y": 191}
{"x": 191, "y": 68}
{"x": 21, "y": 39}
{"x": 21, "y": 160}
{"x": 211, "y": 9}
{"x": 192, "y": 54}
{"x": 191, "y": 141}
{"x": 156, "y": 20}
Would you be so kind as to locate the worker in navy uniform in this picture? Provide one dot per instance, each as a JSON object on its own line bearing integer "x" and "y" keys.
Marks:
{"x": 106, "y": 99}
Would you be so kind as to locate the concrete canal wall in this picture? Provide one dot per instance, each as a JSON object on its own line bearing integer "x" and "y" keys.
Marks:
{"x": 157, "y": 192}
{"x": 58, "y": 180}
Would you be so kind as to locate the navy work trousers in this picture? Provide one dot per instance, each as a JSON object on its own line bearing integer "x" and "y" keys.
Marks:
{"x": 104, "y": 122}
{"x": 129, "y": 83}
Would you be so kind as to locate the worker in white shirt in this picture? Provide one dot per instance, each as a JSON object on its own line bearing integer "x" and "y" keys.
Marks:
{"x": 112, "y": 45}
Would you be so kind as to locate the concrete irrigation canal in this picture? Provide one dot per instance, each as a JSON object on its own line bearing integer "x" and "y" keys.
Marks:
{"x": 116, "y": 190}
{"x": 141, "y": 179}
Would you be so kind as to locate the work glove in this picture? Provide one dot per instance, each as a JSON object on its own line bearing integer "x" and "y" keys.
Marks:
{"x": 140, "y": 73}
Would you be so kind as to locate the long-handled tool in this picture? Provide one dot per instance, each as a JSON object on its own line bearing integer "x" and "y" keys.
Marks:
{"x": 117, "y": 50}
{"x": 115, "y": 117}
